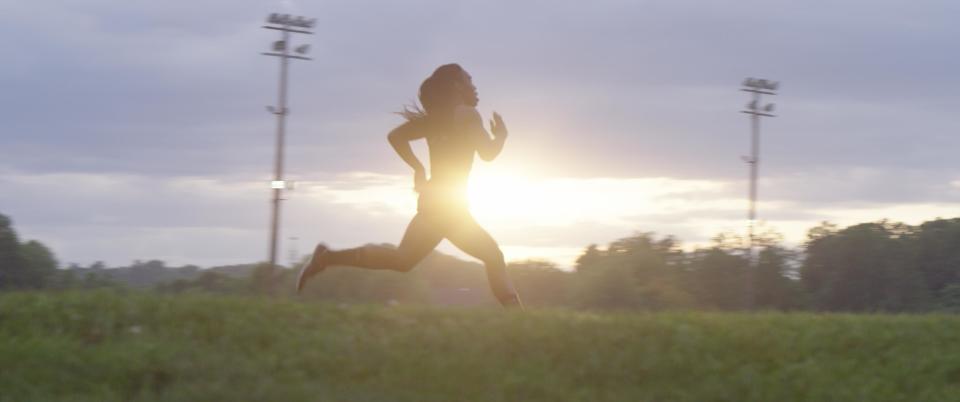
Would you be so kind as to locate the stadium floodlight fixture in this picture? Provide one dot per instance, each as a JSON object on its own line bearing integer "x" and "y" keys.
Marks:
{"x": 760, "y": 85}
{"x": 754, "y": 108}
{"x": 288, "y": 20}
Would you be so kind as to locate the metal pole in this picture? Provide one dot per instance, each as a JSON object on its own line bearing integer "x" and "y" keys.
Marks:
{"x": 752, "y": 217}
{"x": 755, "y": 110}
{"x": 754, "y": 161}
{"x": 278, "y": 159}
{"x": 283, "y": 23}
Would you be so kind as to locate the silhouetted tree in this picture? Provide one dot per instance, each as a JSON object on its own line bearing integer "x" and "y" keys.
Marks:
{"x": 13, "y": 272}
{"x": 939, "y": 253}
{"x": 96, "y": 276}
{"x": 541, "y": 283}
{"x": 719, "y": 278}
{"x": 948, "y": 298}
{"x": 39, "y": 263}
{"x": 23, "y": 266}
{"x": 866, "y": 267}
{"x": 772, "y": 287}
{"x": 639, "y": 271}
{"x": 591, "y": 255}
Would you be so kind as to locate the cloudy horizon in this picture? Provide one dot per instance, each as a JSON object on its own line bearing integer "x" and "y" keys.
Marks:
{"x": 138, "y": 130}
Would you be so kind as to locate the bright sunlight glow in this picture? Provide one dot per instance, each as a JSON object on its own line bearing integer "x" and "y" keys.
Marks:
{"x": 498, "y": 195}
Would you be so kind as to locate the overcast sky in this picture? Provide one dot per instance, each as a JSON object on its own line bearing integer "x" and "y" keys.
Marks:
{"x": 138, "y": 130}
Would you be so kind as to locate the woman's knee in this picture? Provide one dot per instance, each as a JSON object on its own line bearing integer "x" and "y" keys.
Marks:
{"x": 494, "y": 259}
{"x": 405, "y": 262}
{"x": 404, "y": 265}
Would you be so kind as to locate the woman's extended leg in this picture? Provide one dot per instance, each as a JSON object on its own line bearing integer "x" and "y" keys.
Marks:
{"x": 421, "y": 237}
{"x": 470, "y": 237}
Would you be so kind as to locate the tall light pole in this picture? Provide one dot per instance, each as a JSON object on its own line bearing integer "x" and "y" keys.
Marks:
{"x": 281, "y": 48}
{"x": 756, "y": 87}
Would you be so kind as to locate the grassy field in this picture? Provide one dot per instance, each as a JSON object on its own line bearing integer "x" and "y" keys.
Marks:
{"x": 141, "y": 347}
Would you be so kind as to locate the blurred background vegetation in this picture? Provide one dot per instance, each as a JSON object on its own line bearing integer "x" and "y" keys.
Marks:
{"x": 871, "y": 267}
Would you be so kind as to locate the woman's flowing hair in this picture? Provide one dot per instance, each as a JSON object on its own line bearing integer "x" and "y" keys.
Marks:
{"x": 437, "y": 94}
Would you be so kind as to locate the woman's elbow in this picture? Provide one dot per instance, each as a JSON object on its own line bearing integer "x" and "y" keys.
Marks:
{"x": 394, "y": 138}
{"x": 487, "y": 156}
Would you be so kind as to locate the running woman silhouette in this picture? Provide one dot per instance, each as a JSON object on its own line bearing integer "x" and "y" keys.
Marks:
{"x": 454, "y": 131}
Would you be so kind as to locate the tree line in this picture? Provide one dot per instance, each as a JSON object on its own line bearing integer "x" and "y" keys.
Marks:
{"x": 871, "y": 267}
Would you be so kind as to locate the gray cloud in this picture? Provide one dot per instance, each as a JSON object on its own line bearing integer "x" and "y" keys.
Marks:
{"x": 627, "y": 88}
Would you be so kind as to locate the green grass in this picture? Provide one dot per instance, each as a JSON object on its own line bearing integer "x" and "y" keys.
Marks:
{"x": 139, "y": 347}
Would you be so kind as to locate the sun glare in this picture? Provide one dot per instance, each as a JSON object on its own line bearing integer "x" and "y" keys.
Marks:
{"x": 498, "y": 195}
{"x": 536, "y": 215}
